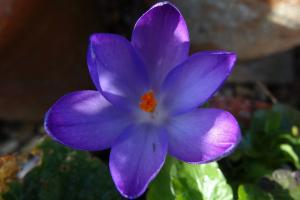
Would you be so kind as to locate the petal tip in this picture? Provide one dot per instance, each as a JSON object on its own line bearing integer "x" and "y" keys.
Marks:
{"x": 236, "y": 133}
{"x": 163, "y": 7}
{"x": 132, "y": 193}
{"x": 232, "y": 58}
{"x": 46, "y": 123}
{"x": 132, "y": 180}
{"x": 94, "y": 37}
{"x": 164, "y": 4}
{"x": 48, "y": 129}
{"x": 229, "y": 57}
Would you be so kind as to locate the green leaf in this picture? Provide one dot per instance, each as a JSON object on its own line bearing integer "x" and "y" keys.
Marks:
{"x": 258, "y": 121}
{"x": 273, "y": 122}
{"x": 204, "y": 181}
{"x": 160, "y": 187}
{"x": 290, "y": 115}
{"x": 288, "y": 180}
{"x": 182, "y": 181}
{"x": 290, "y": 154}
{"x": 252, "y": 192}
{"x": 280, "y": 185}
{"x": 256, "y": 170}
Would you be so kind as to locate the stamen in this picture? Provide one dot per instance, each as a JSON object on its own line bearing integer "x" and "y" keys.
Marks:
{"x": 148, "y": 102}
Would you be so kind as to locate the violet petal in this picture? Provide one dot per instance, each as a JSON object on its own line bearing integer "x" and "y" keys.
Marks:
{"x": 196, "y": 80}
{"x": 203, "y": 135}
{"x": 85, "y": 120}
{"x": 137, "y": 158}
{"x": 161, "y": 38}
{"x": 116, "y": 69}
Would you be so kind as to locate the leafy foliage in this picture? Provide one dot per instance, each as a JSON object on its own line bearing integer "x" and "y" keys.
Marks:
{"x": 288, "y": 180}
{"x": 180, "y": 181}
{"x": 272, "y": 142}
{"x": 64, "y": 174}
{"x": 267, "y": 145}
{"x": 252, "y": 192}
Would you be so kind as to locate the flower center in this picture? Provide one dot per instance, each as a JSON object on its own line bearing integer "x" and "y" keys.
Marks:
{"x": 148, "y": 102}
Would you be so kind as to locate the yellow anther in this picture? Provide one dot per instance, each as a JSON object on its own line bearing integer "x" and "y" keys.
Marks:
{"x": 148, "y": 102}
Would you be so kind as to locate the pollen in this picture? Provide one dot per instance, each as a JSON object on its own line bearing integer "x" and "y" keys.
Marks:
{"x": 148, "y": 102}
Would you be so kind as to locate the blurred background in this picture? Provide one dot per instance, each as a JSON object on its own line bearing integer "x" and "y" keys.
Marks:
{"x": 43, "y": 53}
{"x": 43, "y": 56}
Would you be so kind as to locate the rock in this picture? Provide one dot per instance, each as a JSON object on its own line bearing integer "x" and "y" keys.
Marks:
{"x": 274, "y": 69}
{"x": 252, "y": 28}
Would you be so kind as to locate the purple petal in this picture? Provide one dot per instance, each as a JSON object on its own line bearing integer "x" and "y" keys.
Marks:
{"x": 116, "y": 69}
{"x": 137, "y": 158}
{"x": 161, "y": 38}
{"x": 203, "y": 135}
{"x": 196, "y": 80}
{"x": 92, "y": 65}
{"x": 85, "y": 120}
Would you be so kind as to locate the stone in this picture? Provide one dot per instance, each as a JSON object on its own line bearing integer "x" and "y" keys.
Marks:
{"x": 273, "y": 69}
{"x": 252, "y": 28}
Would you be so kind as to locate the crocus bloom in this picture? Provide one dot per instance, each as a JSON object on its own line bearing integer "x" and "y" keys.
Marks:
{"x": 146, "y": 102}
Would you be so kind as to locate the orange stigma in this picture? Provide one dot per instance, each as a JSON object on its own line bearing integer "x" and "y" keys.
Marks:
{"x": 148, "y": 102}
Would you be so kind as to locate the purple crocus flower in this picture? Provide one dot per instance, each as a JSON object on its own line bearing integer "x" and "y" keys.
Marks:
{"x": 146, "y": 102}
